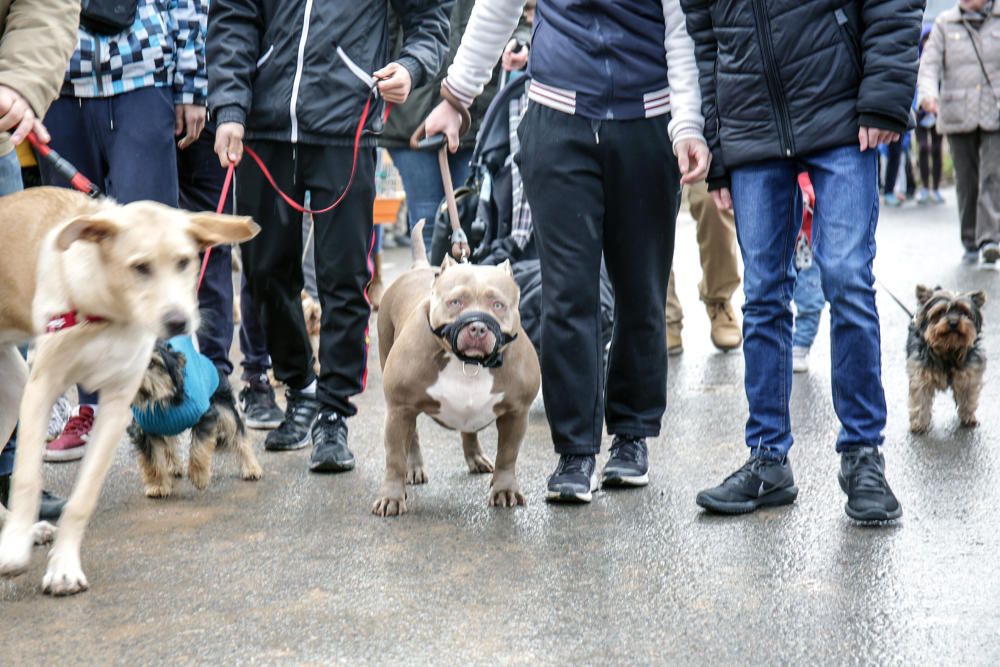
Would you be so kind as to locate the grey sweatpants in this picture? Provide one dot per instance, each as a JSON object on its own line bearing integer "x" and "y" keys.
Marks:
{"x": 976, "y": 156}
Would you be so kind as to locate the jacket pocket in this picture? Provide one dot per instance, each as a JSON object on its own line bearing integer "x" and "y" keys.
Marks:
{"x": 954, "y": 111}
{"x": 850, "y": 39}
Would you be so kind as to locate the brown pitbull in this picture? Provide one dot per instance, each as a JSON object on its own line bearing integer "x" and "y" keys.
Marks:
{"x": 452, "y": 347}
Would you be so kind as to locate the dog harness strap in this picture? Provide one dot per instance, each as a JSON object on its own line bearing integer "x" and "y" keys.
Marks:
{"x": 70, "y": 319}
{"x": 450, "y": 333}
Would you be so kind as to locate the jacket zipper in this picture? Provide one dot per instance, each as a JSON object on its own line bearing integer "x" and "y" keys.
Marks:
{"x": 847, "y": 35}
{"x": 298, "y": 71}
{"x": 774, "y": 88}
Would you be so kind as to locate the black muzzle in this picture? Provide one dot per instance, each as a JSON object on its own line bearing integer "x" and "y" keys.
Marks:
{"x": 451, "y": 332}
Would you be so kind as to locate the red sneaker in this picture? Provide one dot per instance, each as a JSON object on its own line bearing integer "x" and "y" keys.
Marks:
{"x": 70, "y": 444}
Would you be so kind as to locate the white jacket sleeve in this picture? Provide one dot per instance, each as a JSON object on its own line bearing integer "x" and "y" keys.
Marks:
{"x": 490, "y": 26}
{"x": 686, "y": 119}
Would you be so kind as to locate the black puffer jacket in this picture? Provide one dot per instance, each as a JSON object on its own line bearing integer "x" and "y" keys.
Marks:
{"x": 781, "y": 78}
{"x": 273, "y": 66}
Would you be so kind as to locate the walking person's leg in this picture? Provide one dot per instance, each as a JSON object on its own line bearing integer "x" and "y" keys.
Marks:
{"x": 642, "y": 197}
{"x": 272, "y": 264}
{"x": 260, "y": 410}
{"x": 937, "y": 164}
{"x": 765, "y": 198}
{"x": 422, "y": 183}
{"x": 564, "y": 183}
{"x": 344, "y": 244}
{"x": 965, "y": 158}
{"x": 809, "y": 303}
{"x": 846, "y": 216}
{"x": 895, "y": 153}
{"x": 675, "y": 318}
{"x": 988, "y": 211}
{"x": 923, "y": 136}
{"x": 716, "y": 231}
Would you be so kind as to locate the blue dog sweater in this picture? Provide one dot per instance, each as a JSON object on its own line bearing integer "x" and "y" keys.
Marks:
{"x": 201, "y": 379}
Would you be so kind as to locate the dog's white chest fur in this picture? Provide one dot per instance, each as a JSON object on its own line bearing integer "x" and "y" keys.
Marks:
{"x": 466, "y": 397}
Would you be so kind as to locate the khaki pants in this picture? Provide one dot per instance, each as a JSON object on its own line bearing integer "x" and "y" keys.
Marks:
{"x": 716, "y": 232}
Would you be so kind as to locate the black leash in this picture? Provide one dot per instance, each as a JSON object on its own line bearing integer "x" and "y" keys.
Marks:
{"x": 895, "y": 298}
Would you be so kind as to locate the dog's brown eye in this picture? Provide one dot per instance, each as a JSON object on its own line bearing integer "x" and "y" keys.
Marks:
{"x": 144, "y": 269}
{"x": 183, "y": 264}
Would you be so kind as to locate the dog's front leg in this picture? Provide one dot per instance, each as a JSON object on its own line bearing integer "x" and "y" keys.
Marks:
{"x": 504, "y": 489}
{"x": 65, "y": 575}
{"x": 966, "y": 388}
{"x": 19, "y": 532}
{"x": 400, "y": 425}
{"x": 921, "y": 401}
{"x": 415, "y": 471}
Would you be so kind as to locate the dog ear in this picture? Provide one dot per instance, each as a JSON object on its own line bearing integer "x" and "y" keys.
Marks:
{"x": 978, "y": 297}
{"x": 923, "y": 294}
{"x": 211, "y": 229}
{"x": 92, "y": 228}
{"x": 448, "y": 261}
{"x": 506, "y": 268}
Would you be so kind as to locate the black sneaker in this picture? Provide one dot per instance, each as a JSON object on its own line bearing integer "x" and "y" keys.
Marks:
{"x": 330, "y": 452}
{"x": 50, "y": 509}
{"x": 629, "y": 463}
{"x": 294, "y": 430}
{"x": 991, "y": 253}
{"x": 761, "y": 482}
{"x": 574, "y": 480}
{"x": 862, "y": 478}
{"x": 260, "y": 410}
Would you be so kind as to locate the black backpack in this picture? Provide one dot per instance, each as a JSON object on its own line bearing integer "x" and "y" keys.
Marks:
{"x": 108, "y": 17}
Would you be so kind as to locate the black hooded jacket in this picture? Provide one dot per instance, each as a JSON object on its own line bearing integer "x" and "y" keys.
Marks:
{"x": 273, "y": 66}
{"x": 782, "y": 78}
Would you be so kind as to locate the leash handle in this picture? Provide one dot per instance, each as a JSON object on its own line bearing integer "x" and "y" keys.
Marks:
{"x": 459, "y": 243}
{"x": 63, "y": 167}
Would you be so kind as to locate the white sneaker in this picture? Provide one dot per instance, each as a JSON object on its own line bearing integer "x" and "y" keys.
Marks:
{"x": 800, "y": 359}
{"x": 61, "y": 412}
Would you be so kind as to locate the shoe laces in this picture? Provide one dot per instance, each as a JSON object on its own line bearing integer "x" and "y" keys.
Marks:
{"x": 719, "y": 308}
{"x": 867, "y": 473}
{"x": 296, "y": 405}
{"x": 79, "y": 424}
{"x": 575, "y": 464}
{"x": 749, "y": 469}
{"x": 627, "y": 449}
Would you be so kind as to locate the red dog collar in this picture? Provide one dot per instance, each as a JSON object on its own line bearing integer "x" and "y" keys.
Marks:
{"x": 70, "y": 319}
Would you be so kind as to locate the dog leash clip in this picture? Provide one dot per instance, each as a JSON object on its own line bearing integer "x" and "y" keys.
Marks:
{"x": 465, "y": 372}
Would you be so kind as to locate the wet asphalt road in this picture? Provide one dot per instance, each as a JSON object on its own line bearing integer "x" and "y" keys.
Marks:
{"x": 294, "y": 569}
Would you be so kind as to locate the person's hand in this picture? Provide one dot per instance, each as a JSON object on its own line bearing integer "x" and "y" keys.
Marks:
{"x": 693, "y": 159}
{"x": 17, "y": 116}
{"x": 229, "y": 144}
{"x": 723, "y": 199}
{"x": 870, "y": 137}
{"x": 929, "y": 104}
{"x": 189, "y": 121}
{"x": 444, "y": 119}
{"x": 394, "y": 83}
{"x": 512, "y": 61}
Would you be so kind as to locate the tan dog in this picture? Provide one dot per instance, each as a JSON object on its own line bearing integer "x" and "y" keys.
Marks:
{"x": 314, "y": 319}
{"x": 423, "y": 371}
{"x": 126, "y": 275}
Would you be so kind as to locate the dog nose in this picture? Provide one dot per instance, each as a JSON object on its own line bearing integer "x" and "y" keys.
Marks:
{"x": 175, "y": 323}
{"x": 953, "y": 324}
{"x": 478, "y": 330}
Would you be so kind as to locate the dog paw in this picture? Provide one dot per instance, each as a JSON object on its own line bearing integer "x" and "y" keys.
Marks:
{"x": 158, "y": 490}
{"x": 200, "y": 478}
{"x": 970, "y": 422}
{"x": 919, "y": 427}
{"x": 252, "y": 471}
{"x": 389, "y": 507}
{"x": 416, "y": 475}
{"x": 506, "y": 496}
{"x": 64, "y": 576}
{"x": 15, "y": 552}
{"x": 43, "y": 532}
{"x": 479, "y": 464}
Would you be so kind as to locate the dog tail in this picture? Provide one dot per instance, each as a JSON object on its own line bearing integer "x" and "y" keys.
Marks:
{"x": 419, "y": 251}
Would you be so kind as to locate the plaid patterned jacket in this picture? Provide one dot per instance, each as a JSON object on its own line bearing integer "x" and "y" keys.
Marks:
{"x": 165, "y": 47}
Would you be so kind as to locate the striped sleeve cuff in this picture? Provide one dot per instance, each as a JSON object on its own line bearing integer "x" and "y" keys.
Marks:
{"x": 465, "y": 98}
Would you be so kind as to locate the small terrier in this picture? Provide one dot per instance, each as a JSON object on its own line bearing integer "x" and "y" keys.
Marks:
{"x": 183, "y": 390}
{"x": 943, "y": 351}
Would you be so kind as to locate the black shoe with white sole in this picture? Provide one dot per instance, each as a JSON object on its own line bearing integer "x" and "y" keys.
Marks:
{"x": 862, "y": 478}
{"x": 260, "y": 410}
{"x": 628, "y": 465}
{"x": 760, "y": 482}
{"x": 294, "y": 430}
{"x": 574, "y": 480}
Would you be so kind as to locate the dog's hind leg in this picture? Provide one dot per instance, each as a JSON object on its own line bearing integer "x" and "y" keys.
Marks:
{"x": 966, "y": 387}
{"x": 174, "y": 467}
{"x": 64, "y": 575}
{"x": 19, "y": 532}
{"x": 475, "y": 457}
{"x": 415, "y": 471}
{"x": 157, "y": 476}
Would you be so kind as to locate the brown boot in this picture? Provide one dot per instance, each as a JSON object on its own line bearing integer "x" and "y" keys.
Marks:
{"x": 674, "y": 343}
{"x": 726, "y": 334}
{"x": 375, "y": 287}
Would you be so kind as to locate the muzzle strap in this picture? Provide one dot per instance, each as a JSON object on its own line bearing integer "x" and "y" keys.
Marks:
{"x": 450, "y": 333}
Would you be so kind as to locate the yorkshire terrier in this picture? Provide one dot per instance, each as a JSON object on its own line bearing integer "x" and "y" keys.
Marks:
{"x": 183, "y": 390}
{"x": 943, "y": 351}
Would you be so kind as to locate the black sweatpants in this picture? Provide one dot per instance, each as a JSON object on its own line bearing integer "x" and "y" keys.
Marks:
{"x": 596, "y": 187}
{"x": 273, "y": 263}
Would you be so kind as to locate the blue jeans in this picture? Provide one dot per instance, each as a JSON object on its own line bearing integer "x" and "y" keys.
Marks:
{"x": 764, "y": 196}
{"x": 809, "y": 303}
{"x": 10, "y": 181}
{"x": 422, "y": 183}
